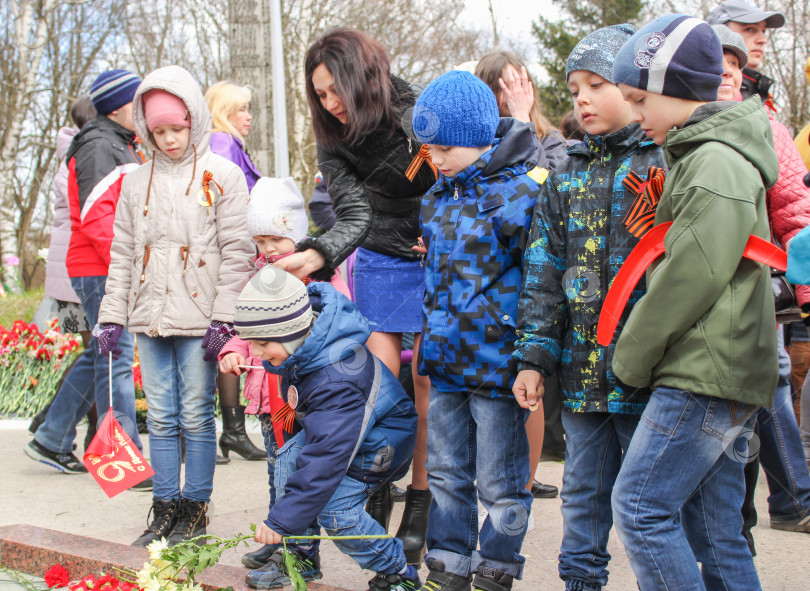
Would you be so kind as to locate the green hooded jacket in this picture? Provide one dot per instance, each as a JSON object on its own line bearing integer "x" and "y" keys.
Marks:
{"x": 707, "y": 323}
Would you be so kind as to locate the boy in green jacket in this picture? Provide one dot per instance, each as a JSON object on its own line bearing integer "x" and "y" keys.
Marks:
{"x": 704, "y": 335}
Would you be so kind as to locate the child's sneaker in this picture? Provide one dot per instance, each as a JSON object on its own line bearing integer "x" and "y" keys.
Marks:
{"x": 439, "y": 580}
{"x": 488, "y": 578}
{"x": 408, "y": 581}
{"x": 258, "y": 558}
{"x": 273, "y": 575}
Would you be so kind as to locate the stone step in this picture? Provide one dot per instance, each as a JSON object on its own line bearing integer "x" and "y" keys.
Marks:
{"x": 33, "y": 550}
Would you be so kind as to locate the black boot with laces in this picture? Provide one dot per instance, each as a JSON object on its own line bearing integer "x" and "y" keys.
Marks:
{"x": 191, "y": 521}
{"x": 165, "y": 515}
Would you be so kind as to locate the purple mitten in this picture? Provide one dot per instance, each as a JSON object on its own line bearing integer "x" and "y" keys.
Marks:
{"x": 216, "y": 337}
{"x": 107, "y": 335}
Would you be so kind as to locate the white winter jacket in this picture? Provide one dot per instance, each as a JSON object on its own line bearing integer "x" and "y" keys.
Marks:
{"x": 176, "y": 262}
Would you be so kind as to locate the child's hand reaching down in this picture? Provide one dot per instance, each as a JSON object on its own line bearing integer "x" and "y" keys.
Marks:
{"x": 231, "y": 362}
{"x": 265, "y": 535}
{"x": 528, "y": 389}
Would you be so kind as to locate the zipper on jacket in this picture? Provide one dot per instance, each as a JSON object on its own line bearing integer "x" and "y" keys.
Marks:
{"x": 455, "y": 193}
{"x": 146, "y": 253}
{"x": 410, "y": 146}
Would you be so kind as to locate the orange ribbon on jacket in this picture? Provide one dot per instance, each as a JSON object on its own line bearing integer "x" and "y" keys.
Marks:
{"x": 641, "y": 216}
{"x": 649, "y": 248}
{"x": 286, "y": 416}
{"x": 208, "y": 177}
{"x": 421, "y": 157}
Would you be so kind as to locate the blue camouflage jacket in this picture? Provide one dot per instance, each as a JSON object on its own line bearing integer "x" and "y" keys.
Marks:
{"x": 577, "y": 244}
{"x": 357, "y": 419}
{"x": 475, "y": 227}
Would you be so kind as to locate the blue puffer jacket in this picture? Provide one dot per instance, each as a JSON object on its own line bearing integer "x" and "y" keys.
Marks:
{"x": 476, "y": 226}
{"x": 357, "y": 419}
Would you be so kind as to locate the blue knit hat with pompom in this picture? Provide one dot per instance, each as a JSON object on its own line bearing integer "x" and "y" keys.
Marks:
{"x": 456, "y": 109}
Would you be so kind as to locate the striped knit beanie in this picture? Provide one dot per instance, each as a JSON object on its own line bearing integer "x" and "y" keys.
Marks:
{"x": 274, "y": 306}
{"x": 675, "y": 55}
{"x": 112, "y": 90}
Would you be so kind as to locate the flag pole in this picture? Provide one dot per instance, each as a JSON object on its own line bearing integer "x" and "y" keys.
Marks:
{"x": 109, "y": 377}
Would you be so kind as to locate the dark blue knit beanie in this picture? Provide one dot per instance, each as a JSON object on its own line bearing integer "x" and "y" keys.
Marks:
{"x": 456, "y": 109}
{"x": 113, "y": 89}
{"x": 675, "y": 55}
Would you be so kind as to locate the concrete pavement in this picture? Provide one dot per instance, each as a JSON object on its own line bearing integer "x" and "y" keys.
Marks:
{"x": 33, "y": 494}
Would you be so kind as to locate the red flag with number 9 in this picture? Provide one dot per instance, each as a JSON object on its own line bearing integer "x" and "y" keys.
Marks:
{"x": 114, "y": 460}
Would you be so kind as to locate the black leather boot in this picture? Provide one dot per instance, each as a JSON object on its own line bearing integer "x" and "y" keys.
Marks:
{"x": 414, "y": 523}
{"x": 234, "y": 436}
{"x": 190, "y": 522}
{"x": 165, "y": 516}
{"x": 380, "y": 504}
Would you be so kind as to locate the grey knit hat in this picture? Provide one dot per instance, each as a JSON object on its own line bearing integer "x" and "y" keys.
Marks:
{"x": 732, "y": 42}
{"x": 596, "y": 51}
{"x": 274, "y": 306}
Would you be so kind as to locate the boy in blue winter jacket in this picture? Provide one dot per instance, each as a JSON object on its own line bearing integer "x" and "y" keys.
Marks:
{"x": 475, "y": 224}
{"x": 586, "y": 223}
{"x": 358, "y": 426}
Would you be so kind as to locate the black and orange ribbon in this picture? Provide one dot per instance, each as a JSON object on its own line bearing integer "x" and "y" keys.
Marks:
{"x": 208, "y": 177}
{"x": 285, "y": 415}
{"x": 421, "y": 157}
{"x": 649, "y": 248}
{"x": 641, "y": 216}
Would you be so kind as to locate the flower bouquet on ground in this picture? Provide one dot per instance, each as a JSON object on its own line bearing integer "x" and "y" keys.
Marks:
{"x": 31, "y": 366}
{"x": 57, "y": 577}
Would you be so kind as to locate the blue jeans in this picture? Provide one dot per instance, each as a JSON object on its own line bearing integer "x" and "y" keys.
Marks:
{"x": 271, "y": 447}
{"x": 179, "y": 388}
{"x": 345, "y": 515}
{"x": 781, "y": 454}
{"x": 88, "y": 381}
{"x": 677, "y": 499}
{"x": 594, "y": 445}
{"x": 477, "y": 449}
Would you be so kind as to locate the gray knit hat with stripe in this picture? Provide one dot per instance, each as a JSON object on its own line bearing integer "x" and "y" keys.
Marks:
{"x": 113, "y": 89}
{"x": 274, "y": 306}
{"x": 675, "y": 55}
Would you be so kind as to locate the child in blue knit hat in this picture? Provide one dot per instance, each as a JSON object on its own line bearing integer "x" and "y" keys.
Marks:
{"x": 475, "y": 226}
{"x": 704, "y": 335}
{"x": 588, "y": 218}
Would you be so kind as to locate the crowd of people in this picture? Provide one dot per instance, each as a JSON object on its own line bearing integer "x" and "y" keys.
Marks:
{"x": 458, "y": 216}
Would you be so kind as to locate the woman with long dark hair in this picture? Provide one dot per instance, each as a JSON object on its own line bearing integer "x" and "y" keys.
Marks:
{"x": 376, "y": 175}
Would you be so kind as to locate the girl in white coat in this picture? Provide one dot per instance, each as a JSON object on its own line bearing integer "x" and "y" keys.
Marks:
{"x": 180, "y": 257}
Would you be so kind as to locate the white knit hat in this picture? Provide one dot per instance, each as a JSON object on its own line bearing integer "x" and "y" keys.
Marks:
{"x": 274, "y": 306}
{"x": 276, "y": 208}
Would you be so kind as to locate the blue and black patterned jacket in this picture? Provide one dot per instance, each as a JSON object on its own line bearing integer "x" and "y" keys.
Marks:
{"x": 577, "y": 244}
{"x": 475, "y": 226}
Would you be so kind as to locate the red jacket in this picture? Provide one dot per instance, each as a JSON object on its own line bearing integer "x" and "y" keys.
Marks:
{"x": 97, "y": 160}
{"x": 789, "y": 198}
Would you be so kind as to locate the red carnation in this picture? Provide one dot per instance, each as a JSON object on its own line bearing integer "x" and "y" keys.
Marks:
{"x": 57, "y": 576}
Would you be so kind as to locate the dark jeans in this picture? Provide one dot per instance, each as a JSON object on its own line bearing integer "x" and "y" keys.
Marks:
{"x": 88, "y": 381}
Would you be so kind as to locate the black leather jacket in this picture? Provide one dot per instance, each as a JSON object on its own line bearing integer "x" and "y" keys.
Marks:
{"x": 376, "y": 205}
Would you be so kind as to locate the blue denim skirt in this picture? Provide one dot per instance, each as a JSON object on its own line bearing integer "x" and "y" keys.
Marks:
{"x": 388, "y": 291}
